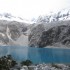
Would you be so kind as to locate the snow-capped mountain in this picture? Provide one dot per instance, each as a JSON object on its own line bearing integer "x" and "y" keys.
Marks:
{"x": 57, "y": 16}
{"x": 52, "y": 30}
{"x": 9, "y": 17}
{"x": 40, "y": 34}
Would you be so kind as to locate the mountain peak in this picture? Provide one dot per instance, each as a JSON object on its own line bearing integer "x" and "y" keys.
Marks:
{"x": 10, "y": 17}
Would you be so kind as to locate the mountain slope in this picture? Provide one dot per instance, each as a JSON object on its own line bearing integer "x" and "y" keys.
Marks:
{"x": 11, "y": 32}
{"x": 35, "y": 35}
{"x": 56, "y": 34}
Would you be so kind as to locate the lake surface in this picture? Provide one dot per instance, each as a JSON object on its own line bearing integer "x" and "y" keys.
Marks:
{"x": 37, "y": 55}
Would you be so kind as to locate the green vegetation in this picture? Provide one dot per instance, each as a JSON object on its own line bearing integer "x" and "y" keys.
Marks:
{"x": 27, "y": 62}
{"x": 7, "y": 62}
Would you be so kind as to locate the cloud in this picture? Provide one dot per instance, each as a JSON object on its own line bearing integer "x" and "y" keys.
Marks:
{"x": 32, "y": 8}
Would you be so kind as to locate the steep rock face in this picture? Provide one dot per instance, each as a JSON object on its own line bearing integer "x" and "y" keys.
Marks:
{"x": 35, "y": 35}
{"x": 14, "y": 31}
{"x": 58, "y": 34}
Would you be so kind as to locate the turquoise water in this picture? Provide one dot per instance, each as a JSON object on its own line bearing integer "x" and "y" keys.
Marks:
{"x": 37, "y": 55}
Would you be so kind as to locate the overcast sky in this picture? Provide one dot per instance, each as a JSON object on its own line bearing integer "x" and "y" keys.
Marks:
{"x": 32, "y": 8}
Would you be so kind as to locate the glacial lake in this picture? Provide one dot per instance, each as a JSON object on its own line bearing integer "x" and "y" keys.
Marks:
{"x": 37, "y": 55}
